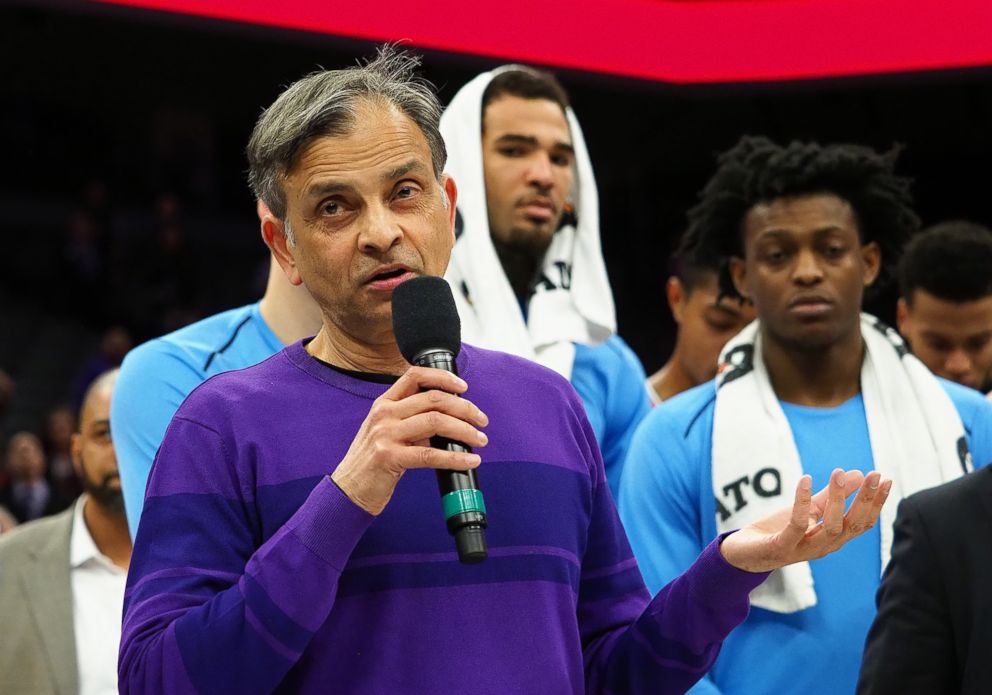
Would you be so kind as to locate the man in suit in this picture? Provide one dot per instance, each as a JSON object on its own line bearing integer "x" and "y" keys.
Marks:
{"x": 933, "y": 631}
{"x": 62, "y": 578}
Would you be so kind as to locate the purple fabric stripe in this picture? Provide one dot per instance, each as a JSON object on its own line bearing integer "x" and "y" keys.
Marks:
{"x": 229, "y": 577}
{"x": 279, "y": 625}
{"x": 613, "y": 569}
{"x": 672, "y": 653}
{"x": 414, "y": 558}
{"x": 269, "y": 639}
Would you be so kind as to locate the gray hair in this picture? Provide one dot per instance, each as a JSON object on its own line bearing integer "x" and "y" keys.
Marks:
{"x": 324, "y": 103}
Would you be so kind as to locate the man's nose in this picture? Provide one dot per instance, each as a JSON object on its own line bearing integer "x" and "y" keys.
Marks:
{"x": 380, "y": 230}
{"x": 958, "y": 363}
{"x": 807, "y": 270}
{"x": 540, "y": 172}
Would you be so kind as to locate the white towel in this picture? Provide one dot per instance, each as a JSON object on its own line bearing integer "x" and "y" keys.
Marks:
{"x": 577, "y": 307}
{"x": 917, "y": 440}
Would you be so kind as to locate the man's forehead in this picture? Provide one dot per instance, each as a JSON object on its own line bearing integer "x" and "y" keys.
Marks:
{"x": 96, "y": 406}
{"x": 515, "y": 115}
{"x": 951, "y": 313}
{"x": 382, "y": 141}
{"x": 816, "y": 211}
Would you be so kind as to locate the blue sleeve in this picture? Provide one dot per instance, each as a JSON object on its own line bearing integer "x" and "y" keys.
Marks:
{"x": 660, "y": 500}
{"x": 153, "y": 383}
{"x": 611, "y": 382}
{"x": 976, "y": 415}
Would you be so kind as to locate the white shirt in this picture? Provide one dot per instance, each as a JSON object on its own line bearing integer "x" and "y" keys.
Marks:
{"x": 97, "y": 609}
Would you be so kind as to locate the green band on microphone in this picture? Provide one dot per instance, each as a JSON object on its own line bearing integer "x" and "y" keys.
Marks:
{"x": 461, "y": 501}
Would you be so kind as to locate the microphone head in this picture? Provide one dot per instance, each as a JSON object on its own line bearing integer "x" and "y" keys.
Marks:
{"x": 425, "y": 317}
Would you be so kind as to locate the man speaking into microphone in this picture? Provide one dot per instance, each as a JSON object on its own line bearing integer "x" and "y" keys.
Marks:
{"x": 292, "y": 537}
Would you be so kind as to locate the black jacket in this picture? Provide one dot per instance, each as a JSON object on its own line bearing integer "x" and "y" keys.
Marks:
{"x": 933, "y": 631}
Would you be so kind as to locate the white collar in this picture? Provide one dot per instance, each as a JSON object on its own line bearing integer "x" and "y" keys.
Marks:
{"x": 82, "y": 547}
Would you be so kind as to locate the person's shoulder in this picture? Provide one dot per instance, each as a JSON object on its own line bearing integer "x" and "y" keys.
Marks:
{"x": 687, "y": 410}
{"x": 236, "y": 386}
{"x": 969, "y": 402}
{"x": 612, "y": 355}
{"x": 191, "y": 345}
{"x": 677, "y": 431}
{"x": 955, "y": 498}
{"x": 35, "y": 536}
{"x": 504, "y": 367}
{"x": 520, "y": 379}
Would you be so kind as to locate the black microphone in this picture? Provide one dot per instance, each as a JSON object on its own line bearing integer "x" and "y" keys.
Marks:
{"x": 429, "y": 334}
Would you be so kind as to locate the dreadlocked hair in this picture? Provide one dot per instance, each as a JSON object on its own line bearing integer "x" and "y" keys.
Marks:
{"x": 757, "y": 170}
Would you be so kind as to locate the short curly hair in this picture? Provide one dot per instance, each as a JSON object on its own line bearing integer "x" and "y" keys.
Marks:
{"x": 757, "y": 170}
{"x": 952, "y": 261}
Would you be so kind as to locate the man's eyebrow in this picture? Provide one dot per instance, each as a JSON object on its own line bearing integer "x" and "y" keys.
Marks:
{"x": 516, "y": 138}
{"x": 828, "y": 229}
{"x": 414, "y": 166}
{"x": 777, "y": 232}
{"x": 327, "y": 188}
{"x": 510, "y": 138}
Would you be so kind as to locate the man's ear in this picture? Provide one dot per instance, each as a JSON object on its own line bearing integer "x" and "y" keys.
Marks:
{"x": 274, "y": 236}
{"x": 675, "y": 292}
{"x": 450, "y": 191}
{"x": 871, "y": 256}
{"x": 738, "y": 275}
{"x": 902, "y": 315}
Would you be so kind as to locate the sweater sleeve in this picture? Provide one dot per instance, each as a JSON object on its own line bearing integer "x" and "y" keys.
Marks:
{"x": 208, "y": 609}
{"x": 661, "y": 646}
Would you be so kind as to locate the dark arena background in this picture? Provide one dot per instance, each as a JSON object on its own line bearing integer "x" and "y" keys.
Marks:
{"x": 125, "y": 208}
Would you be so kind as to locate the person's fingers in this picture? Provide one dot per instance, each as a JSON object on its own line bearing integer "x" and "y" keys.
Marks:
{"x": 852, "y": 481}
{"x": 833, "y": 514}
{"x": 418, "y": 379}
{"x": 795, "y": 531}
{"x": 433, "y": 423}
{"x": 428, "y": 457}
{"x": 436, "y": 400}
{"x": 859, "y": 515}
{"x": 876, "y": 506}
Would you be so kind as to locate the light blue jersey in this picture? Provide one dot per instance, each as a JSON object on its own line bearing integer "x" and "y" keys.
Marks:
{"x": 668, "y": 509}
{"x": 610, "y": 380}
{"x": 157, "y": 376}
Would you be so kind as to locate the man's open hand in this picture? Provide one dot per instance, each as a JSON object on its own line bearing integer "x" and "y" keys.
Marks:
{"x": 815, "y": 526}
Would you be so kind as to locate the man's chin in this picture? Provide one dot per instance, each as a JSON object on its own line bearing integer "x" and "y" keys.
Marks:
{"x": 534, "y": 238}
{"x": 110, "y": 497}
{"x": 811, "y": 337}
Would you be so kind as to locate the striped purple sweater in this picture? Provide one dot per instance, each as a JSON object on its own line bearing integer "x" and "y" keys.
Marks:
{"x": 253, "y": 573}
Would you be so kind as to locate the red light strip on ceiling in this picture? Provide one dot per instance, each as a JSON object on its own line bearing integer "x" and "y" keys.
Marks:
{"x": 682, "y": 42}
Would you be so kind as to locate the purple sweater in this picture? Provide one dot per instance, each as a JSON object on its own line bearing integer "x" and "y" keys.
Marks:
{"x": 252, "y": 572}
